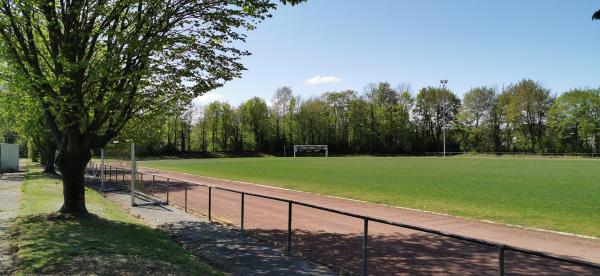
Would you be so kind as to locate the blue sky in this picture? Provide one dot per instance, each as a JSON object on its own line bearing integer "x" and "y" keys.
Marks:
{"x": 468, "y": 42}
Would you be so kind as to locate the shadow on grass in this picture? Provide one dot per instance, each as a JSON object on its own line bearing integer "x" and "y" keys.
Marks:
{"x": 53, "y": 243}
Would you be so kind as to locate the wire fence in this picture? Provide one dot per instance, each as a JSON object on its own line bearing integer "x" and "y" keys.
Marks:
{"x": 510, "y": 154}
{"x": 157, "y": 189}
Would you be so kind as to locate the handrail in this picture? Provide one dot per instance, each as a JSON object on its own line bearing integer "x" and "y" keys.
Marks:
{"x": 500, "y": 246}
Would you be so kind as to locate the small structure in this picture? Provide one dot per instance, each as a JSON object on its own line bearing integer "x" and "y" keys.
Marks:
{"x": 9, "y": 157}
{"x": 311, "y": 148}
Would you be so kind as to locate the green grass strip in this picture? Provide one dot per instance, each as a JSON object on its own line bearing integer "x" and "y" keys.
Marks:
{"x": 111, "y": 242}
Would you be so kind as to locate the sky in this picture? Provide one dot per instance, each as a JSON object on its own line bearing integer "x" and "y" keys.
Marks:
{"x": 334, "y": 45}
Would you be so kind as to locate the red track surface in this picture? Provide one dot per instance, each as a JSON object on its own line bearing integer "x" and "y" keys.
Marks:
{"x": 336, "y": 239}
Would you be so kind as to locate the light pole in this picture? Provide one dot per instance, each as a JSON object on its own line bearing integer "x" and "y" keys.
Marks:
{"x": 443, "y": 84}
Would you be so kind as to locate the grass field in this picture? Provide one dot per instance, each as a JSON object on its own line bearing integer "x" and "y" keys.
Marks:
{"x": 549, "y": 193}
{"x": 110, "y": 243}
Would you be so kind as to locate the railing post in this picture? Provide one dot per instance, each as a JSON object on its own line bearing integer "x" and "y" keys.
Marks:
{"x": 209, "y": 203}
{"x": 167, "y": 190}
{"x": 365, "y": 248}
{"x": 185, "y": 197}
{"x": 501, "y": 260}
{"x": 289, "y": 238}
{"x": 242, "y": 215}
{"x": 153, "y": 180}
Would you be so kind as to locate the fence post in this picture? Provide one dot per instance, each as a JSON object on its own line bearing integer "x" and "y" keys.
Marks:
{"x": 289, "y": 238}
{"x": 501, "y": 260}
{"x": 365, "y": 241}
{"x": 167, "y": 190}
{"x": 242, "y": 215}
{"x": 185, "y": 197}
{"x": 109, "y": 174}
{"x": 209, "y": 203}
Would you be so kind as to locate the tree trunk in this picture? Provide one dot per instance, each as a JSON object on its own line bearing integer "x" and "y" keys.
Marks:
{"x": 72, "y": 168}
{"x": 49, "y": 156}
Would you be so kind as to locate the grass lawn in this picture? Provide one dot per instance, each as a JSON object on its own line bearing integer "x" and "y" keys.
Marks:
{"x": 549, "y": 193}
{"x": 113, "y": 242}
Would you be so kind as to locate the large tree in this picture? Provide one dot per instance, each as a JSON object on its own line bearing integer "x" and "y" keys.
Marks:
{"x": 575, "y": 116}
{"x": 528, "y": 106}
{"x": 94, "y": 65}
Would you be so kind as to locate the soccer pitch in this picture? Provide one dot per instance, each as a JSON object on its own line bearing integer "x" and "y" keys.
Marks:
{"x": 548, "y": 193}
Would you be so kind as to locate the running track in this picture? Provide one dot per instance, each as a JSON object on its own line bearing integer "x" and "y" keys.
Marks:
{"x": 336, "y": 240}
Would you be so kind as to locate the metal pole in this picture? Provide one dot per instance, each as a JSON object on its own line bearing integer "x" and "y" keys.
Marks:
{"x": 142, "y": 182}
{"x": 289, "y": 244}
{"x": 444, "y": 129}
{"x": 209, "y": 203}
{"x": 133, "y": 172}
{"x": 365, "y": 240}
{"x": 153, "y": 180}
{"x": 167, "y": 191}
{"x": 102, "y": 170}
{"x": 242, "y": 215}
{"x": 443, "y": 84}
{"x": 185, "y": 197}
{"x": 501, "y": 260}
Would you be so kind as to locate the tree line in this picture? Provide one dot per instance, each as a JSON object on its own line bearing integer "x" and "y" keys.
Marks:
{"x": 521, "y": 117}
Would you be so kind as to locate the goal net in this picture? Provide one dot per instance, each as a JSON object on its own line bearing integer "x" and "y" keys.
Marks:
{"x": 311, "y": 149}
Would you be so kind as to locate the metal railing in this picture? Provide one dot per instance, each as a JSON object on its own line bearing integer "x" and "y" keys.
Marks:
{"x": 500, "y": 248}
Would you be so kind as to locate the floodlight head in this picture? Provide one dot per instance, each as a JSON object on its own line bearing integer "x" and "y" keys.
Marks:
{"x": 115, "y": 142}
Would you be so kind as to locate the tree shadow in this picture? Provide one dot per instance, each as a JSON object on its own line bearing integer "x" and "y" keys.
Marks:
{"x": 50, "y": 244}
{"x": 414, "y": 254}
{"x": 226, "y": 248}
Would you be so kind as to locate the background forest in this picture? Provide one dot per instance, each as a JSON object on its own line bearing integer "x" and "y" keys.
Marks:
{"x": 382, "y": 119}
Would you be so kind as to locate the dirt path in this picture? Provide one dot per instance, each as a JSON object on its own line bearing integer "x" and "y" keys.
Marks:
{"x": 10, "y": 191}
{"x": 337, "y": 240}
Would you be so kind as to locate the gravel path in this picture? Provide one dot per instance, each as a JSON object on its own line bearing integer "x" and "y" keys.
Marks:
{"x": 221, "y": 246}
{"x": 10, "y": 191}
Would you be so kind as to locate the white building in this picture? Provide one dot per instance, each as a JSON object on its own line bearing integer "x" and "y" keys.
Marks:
{"x": 9, "y": 157}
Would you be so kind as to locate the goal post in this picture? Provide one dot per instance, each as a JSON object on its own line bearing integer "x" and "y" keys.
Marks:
{"x": 311, "y": 148}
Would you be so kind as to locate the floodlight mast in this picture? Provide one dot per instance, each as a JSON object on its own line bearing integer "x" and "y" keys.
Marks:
{"x": 443, "y": 84}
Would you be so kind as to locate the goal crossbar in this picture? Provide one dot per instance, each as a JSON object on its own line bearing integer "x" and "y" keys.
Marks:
{"x": 311, "y": 148}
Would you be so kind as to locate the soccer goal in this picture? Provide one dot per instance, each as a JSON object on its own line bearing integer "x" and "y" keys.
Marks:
{"x": 311, "y": 148}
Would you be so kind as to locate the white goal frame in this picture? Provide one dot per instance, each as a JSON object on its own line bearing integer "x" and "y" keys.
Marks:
{"x": 311, "y": 148}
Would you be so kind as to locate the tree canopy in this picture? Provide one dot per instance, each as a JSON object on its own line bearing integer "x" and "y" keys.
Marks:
{"x": 94, "y": 65}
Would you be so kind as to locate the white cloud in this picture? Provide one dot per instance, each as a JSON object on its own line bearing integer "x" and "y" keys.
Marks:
{"x": 316, "y": 80}
{"x": 208, "y": 98}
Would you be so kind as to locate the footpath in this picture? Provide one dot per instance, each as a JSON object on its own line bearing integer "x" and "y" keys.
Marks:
{"x": 10, "y": 192}
{"x": 221, "y": 246}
